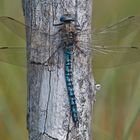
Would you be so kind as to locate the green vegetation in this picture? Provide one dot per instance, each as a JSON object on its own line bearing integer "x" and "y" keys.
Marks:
{"x": 117, "y": 110}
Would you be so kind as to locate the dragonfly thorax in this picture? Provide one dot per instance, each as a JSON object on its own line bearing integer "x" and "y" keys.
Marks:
{"x": 69, "y": 35}
{"x": 69, "y": 28}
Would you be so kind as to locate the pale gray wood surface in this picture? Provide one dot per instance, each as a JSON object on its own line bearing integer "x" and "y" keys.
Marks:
{"x": 48, "y": 115}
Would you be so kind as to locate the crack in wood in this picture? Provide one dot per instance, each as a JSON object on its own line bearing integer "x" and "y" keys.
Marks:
{"x": 67, "y": 137}
{"x": 48, "y": 101}
{"x": 50, "y": 136}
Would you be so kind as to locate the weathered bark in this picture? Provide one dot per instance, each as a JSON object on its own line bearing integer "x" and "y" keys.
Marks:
{"x": 48, "y": 115}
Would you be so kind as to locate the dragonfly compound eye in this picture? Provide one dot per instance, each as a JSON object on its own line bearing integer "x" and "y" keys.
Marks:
{"x": 62, "y": 18}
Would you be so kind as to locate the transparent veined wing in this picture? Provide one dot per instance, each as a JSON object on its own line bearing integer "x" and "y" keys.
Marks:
{"x": 12, "y": 42}
{"x": 13, "y": 55}
{"x": 117, "y": 33}
{"x": 10, "y": 45}
{"x": 9, "y": 53}
{"x": 15, "y": 26}
{"x": 20, "y": 28}
{"x": 109, "y": 46}
{"x": 106, "y": 36}
{"x": 113, "y": 57}
{"x": 117, "y": 44}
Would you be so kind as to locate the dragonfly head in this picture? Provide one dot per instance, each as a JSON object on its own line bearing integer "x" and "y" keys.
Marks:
{"x": 67, "y": 18}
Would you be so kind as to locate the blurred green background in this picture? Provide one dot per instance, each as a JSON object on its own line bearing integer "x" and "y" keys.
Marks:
{"x": 116, "y": 111}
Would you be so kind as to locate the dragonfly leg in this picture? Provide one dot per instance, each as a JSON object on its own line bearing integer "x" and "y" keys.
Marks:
{"x": 80, "y": 50}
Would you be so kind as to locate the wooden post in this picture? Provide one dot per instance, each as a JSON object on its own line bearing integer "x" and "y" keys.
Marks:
{"x": 48, "y": 116}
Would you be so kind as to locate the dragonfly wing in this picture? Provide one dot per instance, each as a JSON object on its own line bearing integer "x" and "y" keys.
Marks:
{"x": 15, "y": 56}
{"x": 20, "y": 29}
{"x": 108, "y": 39}
{"x": 113, "y": 57}
{"x": 116, "y": 33}
{"x": 15, "y": 26}
{"x": 117, "y": 44}
{"x": 107, "y": 36}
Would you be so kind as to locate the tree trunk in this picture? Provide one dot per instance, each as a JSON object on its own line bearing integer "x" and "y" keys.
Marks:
{"x": 49, "y": 116}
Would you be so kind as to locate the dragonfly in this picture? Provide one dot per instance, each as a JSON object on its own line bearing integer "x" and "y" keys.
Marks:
{"x": 107, "y": 49}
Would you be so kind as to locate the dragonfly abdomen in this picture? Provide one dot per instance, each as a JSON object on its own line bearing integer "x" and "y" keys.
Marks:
{"x": 69, "y": 83}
